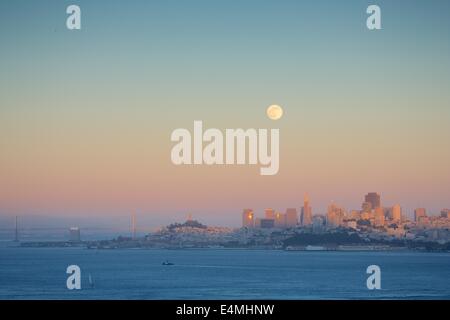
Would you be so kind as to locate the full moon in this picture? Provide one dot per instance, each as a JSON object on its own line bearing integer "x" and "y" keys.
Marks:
{"x": 274, "y": 112}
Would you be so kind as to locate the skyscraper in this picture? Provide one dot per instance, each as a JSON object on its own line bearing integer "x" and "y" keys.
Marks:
{"x": 306, "y": 216}
{"x": 331, "y": 216}
{"x": 379, "y": 216}
{"x": 248, "y": 218}
{"x": 280, "y": 220}
{"x": 291, "y": 217}
{"x": 374, "y": 199}
{"x": 418, "y": 213}
{"x": 335, "y": 215}
{"x": 396, "y": 213}
{"x": 269, "y": 213}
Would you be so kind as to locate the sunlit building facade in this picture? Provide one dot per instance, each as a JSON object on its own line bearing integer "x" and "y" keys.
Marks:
{"x": 291, "y": 217}
{"x": 248, "y": 218}
{"x": 306, "y": 213}
{"x": 280, "y": 220}
{"x": 335, "y": 216}
{"x": 419, "y": 213}
{"x": 269, "y": 213}
{"x": 397, "y": 213}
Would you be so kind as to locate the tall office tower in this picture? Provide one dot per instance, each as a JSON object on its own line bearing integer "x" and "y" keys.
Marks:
{"x": 331, "y": 216}
{"x": 335, "y": 216}
{"x": 374, "y": 199}
{"x": 291, "y": 217}
{"x": 331, "y": 219}
{"x": 280, "y": 220}
{"x": 74, "y": 234}
{"x": 16, "y": 235}
{"x": 419, "y": 212}
{"x": 397, "y": 213}
{"x": 445, "y": 213}
{"x": 306, "y": 217}
{"x": 133, "y": 226}
{"x": 269, "y": 213}
{"x": 379, "y": 216}
{"x": 248, "y": 218}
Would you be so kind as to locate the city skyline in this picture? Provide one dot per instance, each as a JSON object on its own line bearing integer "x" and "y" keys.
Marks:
{"x": 277, "y": 214}
{"x": 372, "y": 210}
{"x": 371, "y": 220}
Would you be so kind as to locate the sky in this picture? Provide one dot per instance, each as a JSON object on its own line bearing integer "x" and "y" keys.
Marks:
{"x": 86, "y": 115}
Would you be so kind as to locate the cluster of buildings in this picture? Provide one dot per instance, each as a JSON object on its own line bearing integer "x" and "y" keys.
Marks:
{"x": 372, "y": 221}
{"x": 371, "y": 215}
{"x": 274, "y": 219}
{"x": 423, "y": 220}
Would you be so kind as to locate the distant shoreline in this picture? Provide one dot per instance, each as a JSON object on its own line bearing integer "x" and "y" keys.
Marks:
{"x": 341, "y": 248}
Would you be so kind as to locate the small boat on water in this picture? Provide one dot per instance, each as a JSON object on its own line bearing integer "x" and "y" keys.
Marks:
{"x": 167, "y": 263}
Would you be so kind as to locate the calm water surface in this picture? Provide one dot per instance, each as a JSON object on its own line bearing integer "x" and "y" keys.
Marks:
{"x": 39, "y": 273}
